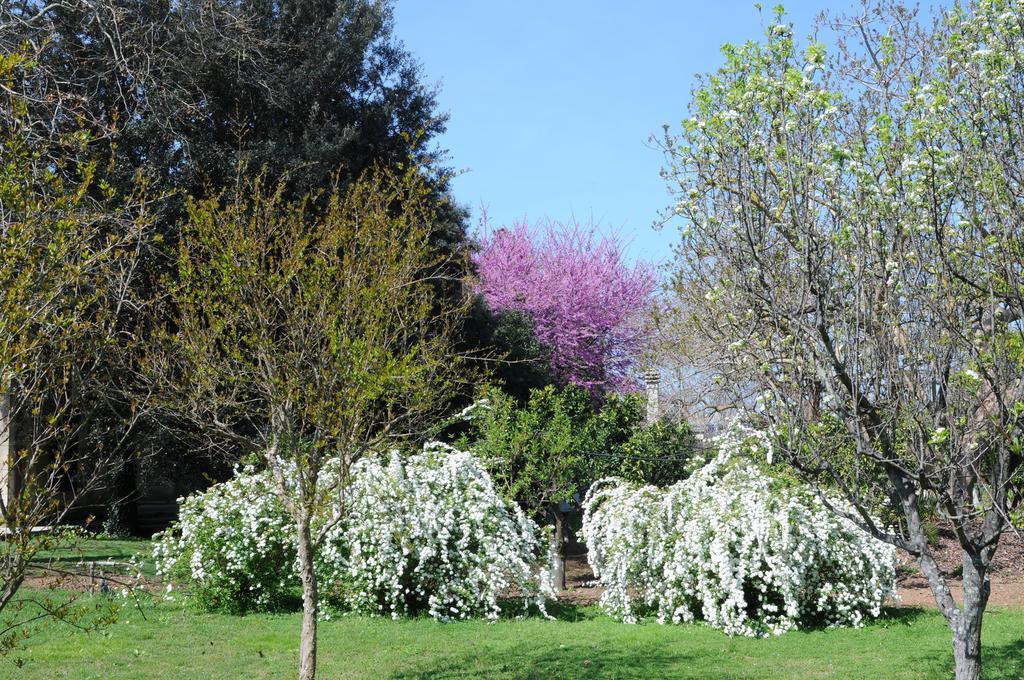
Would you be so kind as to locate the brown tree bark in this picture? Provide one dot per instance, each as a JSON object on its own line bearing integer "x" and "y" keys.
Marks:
{"x": 558, "y": 541}
{"x": 310, "y": 603}
{"x": 967, "y": 624}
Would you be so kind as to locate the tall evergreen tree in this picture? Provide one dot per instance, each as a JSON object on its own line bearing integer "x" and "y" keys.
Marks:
{"x": 191, "y": 90}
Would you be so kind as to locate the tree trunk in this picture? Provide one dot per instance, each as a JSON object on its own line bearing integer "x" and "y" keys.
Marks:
{"x": 7, "y": 471}
{"x": 310, "y": 604}
{"x": 967, "y": 626}
{"x": 965, "y": 620}
{"x": 558, "y": 548}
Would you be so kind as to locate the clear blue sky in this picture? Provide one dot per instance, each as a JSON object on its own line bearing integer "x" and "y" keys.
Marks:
{"x": 552, "y": 102}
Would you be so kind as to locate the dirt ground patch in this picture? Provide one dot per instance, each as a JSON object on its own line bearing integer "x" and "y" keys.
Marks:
{"x": 1006, "y": 576}
{"x": 914, "y": 592}
{"x": 78, "y": 579}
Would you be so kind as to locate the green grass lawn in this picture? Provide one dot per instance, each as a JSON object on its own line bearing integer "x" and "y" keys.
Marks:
{"x": 174, "y": 643}
{"x": 101, "y": 550}
{"x": 168, "y": 642}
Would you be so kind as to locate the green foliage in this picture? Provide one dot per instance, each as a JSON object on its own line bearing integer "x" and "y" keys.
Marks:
{"x": 660, "y": 453}
{"x": 301, "y": 323}
{"x": 551, "y": 448}
{"x": 537, "y": 453}
{"x": 304, "y": 88}
{"x": 521, "y": 362}
{"x": 827, "y": 439}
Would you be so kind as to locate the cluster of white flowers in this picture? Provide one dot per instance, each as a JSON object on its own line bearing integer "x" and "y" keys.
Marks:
{"x": 472, "y": 412}
{"x": 233, "y": 544}
{"x": 425, "y": 533}
{"x": 732, "y": 546}
{"x": 431, "y": 533}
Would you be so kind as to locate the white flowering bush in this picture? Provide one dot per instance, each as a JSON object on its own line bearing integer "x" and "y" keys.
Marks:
{"x": 432, "y": 534}
{"x": 428, "y": 533}
{"x": 734, "y": 547}
{"x": 233, "y": 545}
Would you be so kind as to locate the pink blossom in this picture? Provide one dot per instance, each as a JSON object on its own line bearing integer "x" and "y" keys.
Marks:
{"x": 584, "y": 301}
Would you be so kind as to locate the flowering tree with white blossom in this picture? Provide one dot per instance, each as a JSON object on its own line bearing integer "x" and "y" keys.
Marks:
{"x": 853, "y": 245}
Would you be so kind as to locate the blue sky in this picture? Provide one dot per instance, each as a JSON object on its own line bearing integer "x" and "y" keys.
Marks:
{"x": 552, "y": 103}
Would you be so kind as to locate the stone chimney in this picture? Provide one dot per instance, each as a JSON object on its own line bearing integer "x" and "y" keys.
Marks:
{"x": 652, "y": 379}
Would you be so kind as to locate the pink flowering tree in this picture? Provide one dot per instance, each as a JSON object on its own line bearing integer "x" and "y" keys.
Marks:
{"x": 585, "y": 302}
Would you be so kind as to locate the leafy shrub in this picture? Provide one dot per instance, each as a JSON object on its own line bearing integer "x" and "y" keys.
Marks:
{"x": 561, "y": 440}
{"x": 731, "y": 545}
{"x": 424, "y": 534}
{"x": 658, "y": 453}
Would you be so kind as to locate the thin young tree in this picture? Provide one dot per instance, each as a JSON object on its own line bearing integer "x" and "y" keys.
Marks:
{"x": 310, "y": 334}
{"x": 853, "y": 245}
{"x": 69, "y": 251}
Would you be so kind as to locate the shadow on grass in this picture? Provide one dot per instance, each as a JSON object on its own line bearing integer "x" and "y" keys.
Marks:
{"x": 905, "y": 616}
{"x": 565, "y": 656}
{"x": 999, "y": 661}
{"x": 291, "y": 603}
{"x": 566, "y": 611}
{"x": 552, "y": 661}
{"x": 1003, "y": 662}
{"x": 562, "y": 611}
{"x": 570, "y": 657}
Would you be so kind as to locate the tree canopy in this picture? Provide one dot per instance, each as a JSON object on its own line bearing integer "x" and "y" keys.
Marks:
{"x": 852, "y": 244}
{"x": 193, "y": 90}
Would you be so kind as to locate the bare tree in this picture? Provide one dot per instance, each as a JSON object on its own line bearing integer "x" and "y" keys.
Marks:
{"x": 853, "y": 246}
{"x": 310, "y": 336}
{"x": 689, "y": 364}
{"x": 67, "y": 262}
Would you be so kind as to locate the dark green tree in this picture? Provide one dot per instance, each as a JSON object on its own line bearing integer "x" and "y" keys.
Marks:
{"x": 312, "y": 90}
{"x": 201, "y": 94}
{"x": 518, "y": 362}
